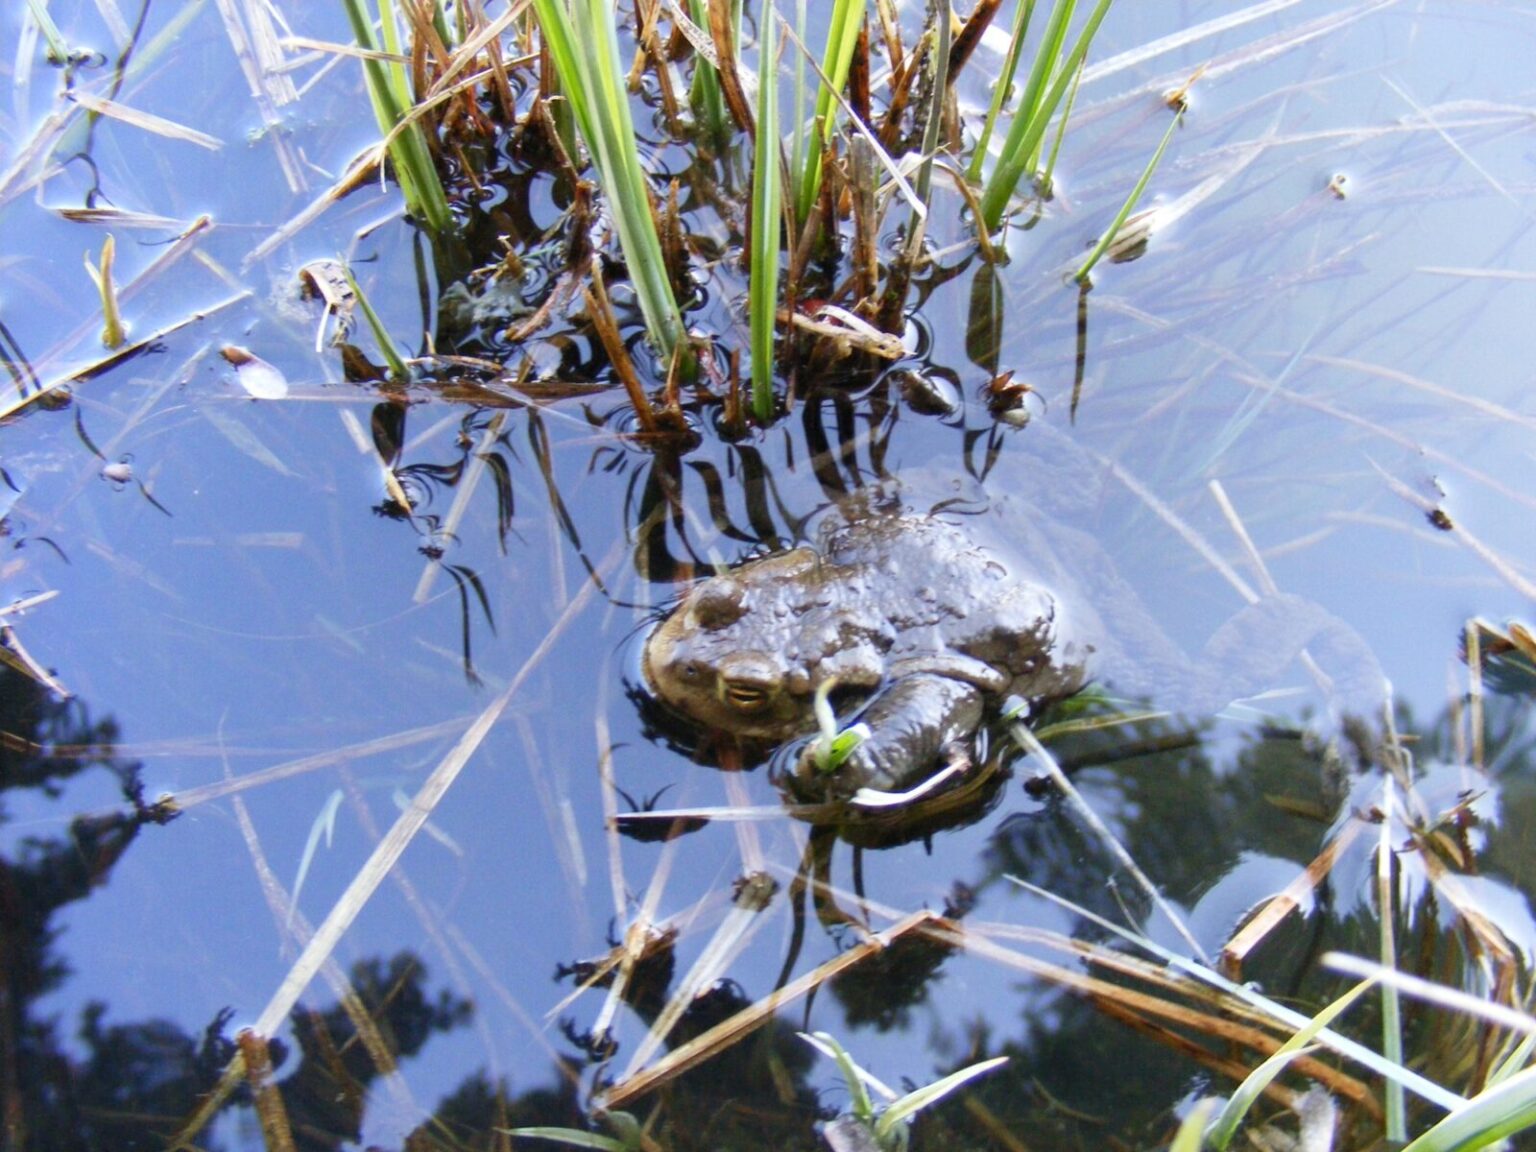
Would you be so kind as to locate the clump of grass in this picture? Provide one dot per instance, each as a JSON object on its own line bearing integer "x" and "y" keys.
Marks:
{"x": 806, "y": 189}
{"x": 886, "y": 1128}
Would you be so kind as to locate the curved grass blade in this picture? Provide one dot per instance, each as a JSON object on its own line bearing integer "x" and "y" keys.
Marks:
{"x": 114, "y": 334}
{"x": 324, "y": 825}
{"x": 1224, "y": 1128}
{"x": 575, "y": 1137}
{"x": 859, "y": 1101}
{"x": 1191, "y": 1134}
{"x": 928, "y": 1094}
{"x": 1486, "y": 1119}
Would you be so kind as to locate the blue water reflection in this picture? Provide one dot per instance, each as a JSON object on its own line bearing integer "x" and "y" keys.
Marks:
{"x": 266, "y": 637}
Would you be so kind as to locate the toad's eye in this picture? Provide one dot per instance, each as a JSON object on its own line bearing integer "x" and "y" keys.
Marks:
{"x": 718, "y": 604}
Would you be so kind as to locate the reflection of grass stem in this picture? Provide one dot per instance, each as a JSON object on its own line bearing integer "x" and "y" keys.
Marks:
{"x": 389, "y": 92}
{"x": 763, "y": 293}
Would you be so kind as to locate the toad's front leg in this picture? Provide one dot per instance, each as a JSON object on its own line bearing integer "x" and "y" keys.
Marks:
{"x": 910, "y": 723}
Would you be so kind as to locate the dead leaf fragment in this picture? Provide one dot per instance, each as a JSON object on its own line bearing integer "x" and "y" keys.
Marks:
{"x": 260, "y": 379}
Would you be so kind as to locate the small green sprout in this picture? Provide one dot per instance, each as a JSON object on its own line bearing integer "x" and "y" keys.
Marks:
{"x": 831, "y": 749}
{"x": 114, "y": 334}
{"x": 626, "y": 1138}
{"x": 885, "y": 1127}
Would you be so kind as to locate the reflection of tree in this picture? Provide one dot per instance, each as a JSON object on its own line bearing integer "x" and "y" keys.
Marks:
{"x": 45, "y": 742}
{"x": 137, "y": 1081}
{"x": 327, "y": 1092}
{"x": 751, "y": 1094}
{"x": 472, "y": 1117}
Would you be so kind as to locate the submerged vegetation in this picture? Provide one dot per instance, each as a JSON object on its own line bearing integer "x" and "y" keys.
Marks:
{"x": 729, "y": 210}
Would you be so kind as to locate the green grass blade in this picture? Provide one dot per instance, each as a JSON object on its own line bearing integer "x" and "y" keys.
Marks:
{"x": 1048, "y": 174}
{"x": 583, "y": 42}
{"x": 767, "y": 213}
{"x": 398, "y": 369}
{"x": 1391, "y": 1005}
{"x": 389, "y": 32}
{"x": 859, "y": 1102}
{"x": 114, "y": 333}
{"x": 1191, "y": 1134}
{"x": 1486, "y": 1119}
{"x": 842, "y": 38}
{"x": 575, "y": 1137}
{"x": 1035, "y": 111}
{"x": 797, "y": 137}
{"x": 560, "y": 38}
{"x": 389, "y": 93}
{"x": 921, "y": 1098}
{"x": 624, "y": 179}
{"x": 1000, "y": 91}
{"x": 1017, "y": 146}
{"x": 1225, "y": 1126}
{"x": 704, "y": 92}
{"x": 1129, "y": 206}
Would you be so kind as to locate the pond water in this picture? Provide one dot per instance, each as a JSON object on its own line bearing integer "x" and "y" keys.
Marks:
{"x": 1322, "y": 361}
